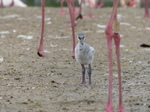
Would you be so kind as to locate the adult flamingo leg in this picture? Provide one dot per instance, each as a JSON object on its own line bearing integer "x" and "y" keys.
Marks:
{"x": 101, "y": 4}
{"x": 109, "y": 36}
{"x": 117, "y": 44}
{"x": 11, "y": 4}
{"x": 40, "y": 48}
{"x": 147, "y": 15}
{"x": 80, "y": 11}
{"x": 90, "y": 11}
{"x": 1, "y": 4}
{"x": 61, "y": 5}
{"x": 71, "y": 11}
{"x": 80, "y": 16}
{"x": 109, "y": 107}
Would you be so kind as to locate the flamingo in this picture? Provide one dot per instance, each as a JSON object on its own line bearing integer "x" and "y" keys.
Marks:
{"x": 110, "y": 35}
{"x": 18, "y": 3}
{"x": 40, "y": 51}
{"x": 146, "y": 15}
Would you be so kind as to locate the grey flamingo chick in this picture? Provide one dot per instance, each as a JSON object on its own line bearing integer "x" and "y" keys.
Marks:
{"x": 84, "y": 55}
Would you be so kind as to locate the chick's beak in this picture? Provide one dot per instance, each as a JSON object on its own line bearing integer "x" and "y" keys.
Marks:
{"x": 81, "y": 41}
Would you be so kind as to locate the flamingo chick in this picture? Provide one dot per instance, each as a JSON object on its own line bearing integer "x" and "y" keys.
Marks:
{"x": 84, "y": 55}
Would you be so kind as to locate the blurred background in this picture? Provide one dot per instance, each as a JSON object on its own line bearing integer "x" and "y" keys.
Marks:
{"x": 56, "y": 3}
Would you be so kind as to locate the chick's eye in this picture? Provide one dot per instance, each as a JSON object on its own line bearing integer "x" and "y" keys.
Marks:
{"x": 79, "y": 38}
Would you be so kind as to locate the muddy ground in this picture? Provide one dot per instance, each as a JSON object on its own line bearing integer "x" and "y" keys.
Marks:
{"x": 29, "y": 83}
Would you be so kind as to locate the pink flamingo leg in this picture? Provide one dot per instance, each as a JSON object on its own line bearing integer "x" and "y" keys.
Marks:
{"x": 146, "y": 10}
{"x": 101, "y": 4}
{"x": 109, "y": 36}
{"x": 74, "y": 10}
{"x": 71, "y": 10}
{"x": 40, "y": 48}
{"x": 109, "y": 107}
{"x": 1, "y": 5}
{"x": 80, "y": 11}
{"x": 117, "y": 43}
{"x": 90, "y": 11}
{"x": 11, "y": 4}
{"x": 61, "y": 5}
{"x": 123, "y": 3}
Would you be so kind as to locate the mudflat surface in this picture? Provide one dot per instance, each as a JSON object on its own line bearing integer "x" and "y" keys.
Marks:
{"x": 29, "y": 83}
